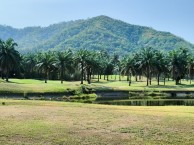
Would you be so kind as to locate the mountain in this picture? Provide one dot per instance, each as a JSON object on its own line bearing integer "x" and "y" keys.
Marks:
{"x": 97, "y": 33}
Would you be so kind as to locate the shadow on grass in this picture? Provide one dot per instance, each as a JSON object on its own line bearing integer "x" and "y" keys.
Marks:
{"x": 104, "y": 82}
{"x": 179, "y": 86}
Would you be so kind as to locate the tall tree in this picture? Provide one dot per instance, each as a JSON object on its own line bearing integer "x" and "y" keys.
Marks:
{"x": 179, "y": 62}
{"x": 145, "y": 62}
{"x": 127, "y": 65}
{"x": 190, "y": 66}
{"x": 64, "y": 60}
{"x": 9, "y": 57}
{"x": 81, "y": 57}
{"x": 29, "y": 62}
{"x": 46, "y": 64}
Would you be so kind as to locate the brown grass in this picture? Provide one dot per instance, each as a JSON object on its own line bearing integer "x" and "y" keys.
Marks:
{"x": 44, "y": 122}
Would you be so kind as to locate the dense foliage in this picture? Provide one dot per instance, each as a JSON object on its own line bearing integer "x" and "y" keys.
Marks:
{"x": 99, "y": 33}
{"x": 86, "y": 64}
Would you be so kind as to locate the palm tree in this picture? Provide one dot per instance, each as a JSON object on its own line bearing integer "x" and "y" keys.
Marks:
{"x": 159, "y": 64}
{"x": 29, "y": 62}
{"x": 190, "y": 66}
{"x": 109, "y": 69}
{"x": 137, "y": 69}
{"x": 9, "y": 57}
{"x": 46, "y": 64}
{"x": 64, "y": 60}
{"x": 81, "y": 57}
{"x": 179, "y": 63}
{"x": 91, "y": 65}
{"x": 127, "y": 65}
{"x": 99, "y": 67}
{"x": 145, "y": 62}
{"x": 165, "y": 67}
{"x": 115, "y": 62}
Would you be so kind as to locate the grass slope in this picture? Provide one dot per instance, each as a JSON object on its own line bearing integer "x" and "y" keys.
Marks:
{"x": 45, "y": 122}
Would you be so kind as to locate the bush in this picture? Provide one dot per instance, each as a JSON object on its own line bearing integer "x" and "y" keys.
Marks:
{"x": 73, "y": 92}
{"x": 86, "y": 90}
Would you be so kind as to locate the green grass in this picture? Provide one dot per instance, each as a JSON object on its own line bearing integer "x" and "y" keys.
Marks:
{"x": 46, "y": 122}
{"x": 33, "y": 86}
{"x": 141, "y": 85}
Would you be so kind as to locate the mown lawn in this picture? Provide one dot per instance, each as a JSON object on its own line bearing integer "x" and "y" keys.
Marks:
{"x": 33, "y": 86}
{"x": 46, "y": 122}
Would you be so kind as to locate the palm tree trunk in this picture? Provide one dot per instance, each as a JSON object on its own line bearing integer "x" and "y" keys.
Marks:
{"x": 85, "y": 76}
{"x": 2, "y": 75}
{"x": 174, "y": 77}
{"x": 7, "y": 76}
{"x": 136, "y": 78}
{"x": 127, "y": 77}
{"x": 176, "y": 82}
{"x": 107, "y": 78}
{"x": 82, "y": 72}
{"x": 45, "y": 77}
{"x": 190, "y": 74}
{"x": 119, "y": 76}
{"x": 164, "y": 80}
{"x": 147, "y": 76}
{"x": 88, "y": 76}
{"x": 150, "y": 78}
{"x": 98, "y": 77}
{"x": 62, "y": 75}
{"x": 139, "y": 77}
{"x": 158, "y": 78}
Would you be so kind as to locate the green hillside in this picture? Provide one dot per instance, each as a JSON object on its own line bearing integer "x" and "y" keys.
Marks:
{"x": 96, "y": 33}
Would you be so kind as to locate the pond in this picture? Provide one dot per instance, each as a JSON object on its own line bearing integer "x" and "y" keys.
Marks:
{"x": 117, "y": 98}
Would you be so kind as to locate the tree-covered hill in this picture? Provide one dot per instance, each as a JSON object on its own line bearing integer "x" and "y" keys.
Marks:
{"x": 99, "y": 33}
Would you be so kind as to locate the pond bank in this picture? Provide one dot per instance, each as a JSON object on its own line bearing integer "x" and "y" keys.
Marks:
{"x": 117, "y": 94}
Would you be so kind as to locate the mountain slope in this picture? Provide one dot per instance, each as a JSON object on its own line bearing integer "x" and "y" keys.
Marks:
{"x": 96, "y": 33}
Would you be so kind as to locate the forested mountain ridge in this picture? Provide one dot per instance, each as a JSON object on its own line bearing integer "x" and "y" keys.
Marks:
{"x": 98, "y": 33}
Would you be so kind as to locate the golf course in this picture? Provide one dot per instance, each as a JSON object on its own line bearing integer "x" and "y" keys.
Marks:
{"x": 27, "y": 121}
{"x": 95, "y": 81}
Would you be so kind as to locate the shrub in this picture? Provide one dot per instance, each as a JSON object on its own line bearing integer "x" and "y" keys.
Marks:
{"x": 87, "y": 90}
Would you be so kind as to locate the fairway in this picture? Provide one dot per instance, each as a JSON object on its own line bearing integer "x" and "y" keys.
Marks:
{"x": 38, "y": 86}
{"x": 47, "y": 122}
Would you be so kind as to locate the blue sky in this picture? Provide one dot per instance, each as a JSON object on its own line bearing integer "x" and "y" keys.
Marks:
{"x": 175, "y": 16}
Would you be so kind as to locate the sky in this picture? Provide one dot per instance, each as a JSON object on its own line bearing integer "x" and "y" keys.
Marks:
{"x": 175, "y": 16}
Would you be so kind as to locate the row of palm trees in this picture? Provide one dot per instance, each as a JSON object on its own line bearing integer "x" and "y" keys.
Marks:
{"x": 85, "y": 64}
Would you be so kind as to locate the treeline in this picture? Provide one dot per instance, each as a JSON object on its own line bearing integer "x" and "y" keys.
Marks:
{"x": 85, "y": 64}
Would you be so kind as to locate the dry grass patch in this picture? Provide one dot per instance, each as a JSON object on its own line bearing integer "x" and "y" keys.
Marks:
{"x": 44, "y": 122}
